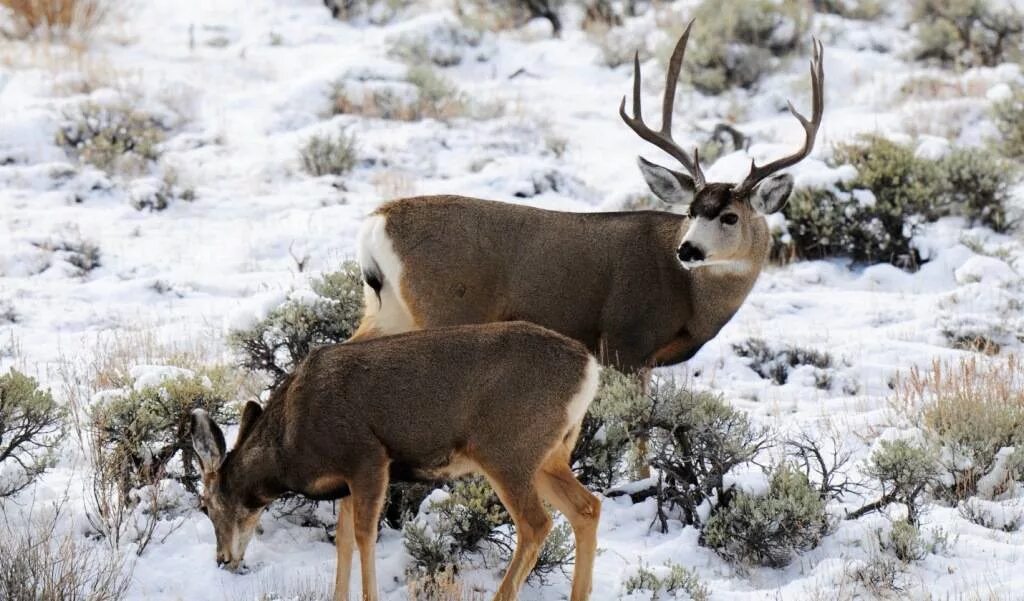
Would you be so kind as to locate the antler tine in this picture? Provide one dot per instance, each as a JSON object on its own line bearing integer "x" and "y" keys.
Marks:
{"x": 810, "y": 125}
{"x": 662, "y": 139}
{"x": 675, "y": 64}
{"x": 698, "y": 173}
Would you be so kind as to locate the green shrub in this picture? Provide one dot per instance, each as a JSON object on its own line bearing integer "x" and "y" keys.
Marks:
{"x": 276, "y": 343}
{"x": 769, "y": 530}
{"x": 438, "y": 98}
{"x": 967, "y": 32}
{"x": 139, "y": 430}
{"x": 775, "y": 363}
{"x": 874, "y": 217}
{"x": 677, "y": 579}
{"x": 976, "y": 184}
{"x": 736, "y": 41}
{"x": 470, "y": 520}
{"x": 31, "y": 423}
{"x": 1008, "y": 115}
{"x": 905, "y": 542}
{"x": 695, "y": 440}
{"x": 905, "y": 471}
{"x": 600, "y": 452}
{"x": 115, "y": 137}
{"x": 328, "y": 155}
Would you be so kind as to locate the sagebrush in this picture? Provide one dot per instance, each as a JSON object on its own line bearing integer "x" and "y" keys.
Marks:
{"x": 31, "y": 423}
{"x": 874, "y": 217}
{"x": 770, "y": 529}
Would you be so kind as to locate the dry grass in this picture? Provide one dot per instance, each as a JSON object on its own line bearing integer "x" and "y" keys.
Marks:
{"x": 37, "y": 563}
{"x": 444, "y": 586}
{"x": 55, "y": 18}
{"x": 973, "y": 409}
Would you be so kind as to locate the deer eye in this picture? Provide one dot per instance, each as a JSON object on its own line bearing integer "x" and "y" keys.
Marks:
{"x": 730, "y": 218}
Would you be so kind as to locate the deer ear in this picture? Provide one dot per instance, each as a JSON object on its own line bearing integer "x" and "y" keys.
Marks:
{"x": 670, "y": 186}
{"x": 208, "y": 441}
{"x": 250, "y": 414}
{"x": 771, "y": 195}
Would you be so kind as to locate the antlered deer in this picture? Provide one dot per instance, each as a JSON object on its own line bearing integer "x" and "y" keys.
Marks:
{"x": 503, "y": 399}
{"x": 639, "y": 289}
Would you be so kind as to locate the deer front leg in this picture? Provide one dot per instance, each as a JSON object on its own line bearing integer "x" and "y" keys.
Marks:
{"x": 344, "y": 541}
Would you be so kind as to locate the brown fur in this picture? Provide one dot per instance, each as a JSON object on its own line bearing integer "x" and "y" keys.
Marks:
{"x": 610, "y": 280}
{"x": 493, "y": 399}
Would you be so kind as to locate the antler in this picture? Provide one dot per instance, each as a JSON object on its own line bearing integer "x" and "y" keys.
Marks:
{"x": 663, "y": 139}
{"x": 810, "y": 127}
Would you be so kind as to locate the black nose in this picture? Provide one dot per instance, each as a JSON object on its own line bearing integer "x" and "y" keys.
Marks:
{"x": 689, "y": 252}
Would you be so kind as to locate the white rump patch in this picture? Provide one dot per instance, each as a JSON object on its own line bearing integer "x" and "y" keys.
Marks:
{"x": 588, "y": 389}
{"x": 376, "y": 253}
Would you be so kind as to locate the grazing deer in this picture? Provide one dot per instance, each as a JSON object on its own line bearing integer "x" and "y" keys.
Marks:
{"x": 639, "y": 289}
{"x": 503, "y": 399}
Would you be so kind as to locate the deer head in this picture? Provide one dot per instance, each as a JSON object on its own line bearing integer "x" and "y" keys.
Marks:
{"x": 722, "y": 215}
{"x": 234, "y": 517}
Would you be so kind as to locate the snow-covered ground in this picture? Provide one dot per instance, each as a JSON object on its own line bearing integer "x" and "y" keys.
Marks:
{"x": 243, "y": 83}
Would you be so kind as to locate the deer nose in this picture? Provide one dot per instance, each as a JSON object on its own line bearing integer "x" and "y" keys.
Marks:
{"x": 688, "y": 252}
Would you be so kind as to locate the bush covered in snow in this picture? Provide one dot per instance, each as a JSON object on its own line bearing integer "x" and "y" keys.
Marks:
{"x": 471, "y": 519}
{"x": 873, "y": 217}
{"x": 30, "y": 426}
{"x": 111, "y": 136}
{"x": 736, "y": 41}
{"x": 327, "y": 154}
{"x": 80, "y": 254}
{"x": 444, "y": 43}
{"x": 139, "y": 430}
{"x": 424, "y": 93}
{"x": 276, "y": 343}
{"x": 770, "y": 529}
{"x": 968, "y": 32}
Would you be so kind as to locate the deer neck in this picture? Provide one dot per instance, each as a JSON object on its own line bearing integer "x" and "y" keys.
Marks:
{"x": 719, "y": 290}
{"x": 252, "y": 471}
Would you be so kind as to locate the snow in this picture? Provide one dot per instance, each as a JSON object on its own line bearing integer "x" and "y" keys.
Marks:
{"x": 241, "y": 83}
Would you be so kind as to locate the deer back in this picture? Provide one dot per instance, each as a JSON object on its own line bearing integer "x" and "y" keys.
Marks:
{"x": 427, "y": 399}
{"x": 610, "y": 280}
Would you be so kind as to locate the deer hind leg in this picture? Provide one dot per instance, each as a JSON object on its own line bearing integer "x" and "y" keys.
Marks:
{"x": 344, "y": 541}
{"x": 559, "y": 487}
{"x": 368, "y": 494}
{"x": 520, "y": 498}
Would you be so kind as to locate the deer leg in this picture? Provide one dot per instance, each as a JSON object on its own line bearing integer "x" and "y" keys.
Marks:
{"x": 559, "y": 487}
{"x": 520, "y": 498}
{"x": 368, "y": 494}
{"x": 344, "y": 541}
